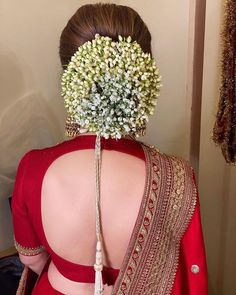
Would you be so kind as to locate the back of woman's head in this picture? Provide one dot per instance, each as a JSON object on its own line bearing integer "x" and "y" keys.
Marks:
{"x": 107, "y": 20}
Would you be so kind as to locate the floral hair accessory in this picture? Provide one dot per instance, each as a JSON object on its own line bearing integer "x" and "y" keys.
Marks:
{"x": 111, "y": 88}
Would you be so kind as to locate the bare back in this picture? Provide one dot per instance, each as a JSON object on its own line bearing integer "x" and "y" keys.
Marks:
{"x": 68, "y": 210}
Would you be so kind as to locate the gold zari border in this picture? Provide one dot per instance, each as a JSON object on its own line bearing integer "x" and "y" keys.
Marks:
{"x": 151, "y": 261}
{"x": 28, "y": 251}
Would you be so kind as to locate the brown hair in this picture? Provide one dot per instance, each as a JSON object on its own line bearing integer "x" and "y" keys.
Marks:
{"x": 105, "y": 19}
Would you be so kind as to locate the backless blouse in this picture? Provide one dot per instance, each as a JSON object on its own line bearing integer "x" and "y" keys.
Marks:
{"x": 164, "y": 257}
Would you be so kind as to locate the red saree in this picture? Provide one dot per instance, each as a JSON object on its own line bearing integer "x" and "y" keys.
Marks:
{"x": 166, "y": 252}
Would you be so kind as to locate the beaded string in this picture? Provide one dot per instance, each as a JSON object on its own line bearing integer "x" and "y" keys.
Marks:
{"x": 98, "y": 266}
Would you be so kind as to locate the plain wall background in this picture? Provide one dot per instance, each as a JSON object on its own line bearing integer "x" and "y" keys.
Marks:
{"x": 32, "y": 112}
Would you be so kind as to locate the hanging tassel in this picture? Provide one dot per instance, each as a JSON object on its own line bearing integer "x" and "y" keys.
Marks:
{"x": 98, "y": 270}
{"x": 98, "y": 266}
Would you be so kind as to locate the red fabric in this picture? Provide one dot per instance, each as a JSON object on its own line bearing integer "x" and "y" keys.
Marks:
{"x": 28, "y": 230}
{"x": 44, "y": 287}
{"x": 192, "y": 252}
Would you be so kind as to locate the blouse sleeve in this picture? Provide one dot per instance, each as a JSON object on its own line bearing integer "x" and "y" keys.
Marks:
{"x": 26, "y": 241}
{"x": 191, "y": 277}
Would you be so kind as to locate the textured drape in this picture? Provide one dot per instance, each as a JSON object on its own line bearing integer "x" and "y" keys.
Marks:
{"x": 224, "y": 132}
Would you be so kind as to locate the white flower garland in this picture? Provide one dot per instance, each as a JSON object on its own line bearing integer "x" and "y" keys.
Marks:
{"x": 111, "y": 88}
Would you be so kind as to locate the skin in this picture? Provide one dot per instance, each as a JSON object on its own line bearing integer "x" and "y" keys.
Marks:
{"x": 68, "y": 212}
{"x": 36, "y": 263}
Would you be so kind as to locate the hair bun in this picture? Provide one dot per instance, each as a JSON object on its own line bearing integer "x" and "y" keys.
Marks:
{"x": 111, "y": 87}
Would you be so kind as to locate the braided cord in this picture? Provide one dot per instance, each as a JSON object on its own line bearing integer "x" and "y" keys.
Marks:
{"x": 98, "y": 266}
{"x": 98, "y": 180}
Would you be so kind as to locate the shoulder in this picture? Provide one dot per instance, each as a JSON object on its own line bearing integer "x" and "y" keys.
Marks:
{"x": 175, "y": 160}
{"x": 178, "y": 163}
{"x": 35, "y": 158}
{"x": 182, "y": 173}
{"x": 32, "y": 166}
{"x": 177, "y": 168}
{"x": 175, "y": 187}
{"x": 35, "y": 154}
{"x": 181, "y": 177}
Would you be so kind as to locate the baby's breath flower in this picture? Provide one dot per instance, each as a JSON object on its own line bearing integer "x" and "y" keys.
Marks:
{"x": 111, "y": 88}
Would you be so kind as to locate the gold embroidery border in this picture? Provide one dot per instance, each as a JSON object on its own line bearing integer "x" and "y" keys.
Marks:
{"x": 27, "y": 251}
{"x": 164, "y": 216}
{"x": 179, "y": 210}
{"x": 140, "y": 283}
{"x": 142, "y": 270}
{"x": 125, "y": 270}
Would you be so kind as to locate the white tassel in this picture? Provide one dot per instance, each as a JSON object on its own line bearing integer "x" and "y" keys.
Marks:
{"x": 98, "y": 266}
{"x": 98, "y": 270}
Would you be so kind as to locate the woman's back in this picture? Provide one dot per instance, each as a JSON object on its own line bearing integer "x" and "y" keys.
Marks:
{"x": 68, "y": 206}
{"x": 68, "y": 200}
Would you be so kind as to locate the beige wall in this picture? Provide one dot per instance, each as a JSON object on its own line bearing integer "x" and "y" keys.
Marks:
{"x": 32, "y": 113}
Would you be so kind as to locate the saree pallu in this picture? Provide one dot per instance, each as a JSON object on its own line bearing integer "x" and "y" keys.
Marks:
{"x": 166, "y": 253}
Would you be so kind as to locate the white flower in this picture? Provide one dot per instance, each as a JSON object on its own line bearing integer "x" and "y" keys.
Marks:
{"x": 111, "y": 87}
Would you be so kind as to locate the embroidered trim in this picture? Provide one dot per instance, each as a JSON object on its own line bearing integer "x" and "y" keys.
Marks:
{"x": 151, "y": 146}
{"x": 126, "y": 271}
{"x": 151, "y": 262}
{"x": 28, "y": 251}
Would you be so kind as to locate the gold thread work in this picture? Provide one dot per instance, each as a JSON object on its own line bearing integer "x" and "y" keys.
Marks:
{"x": 27, "y": 251}
{"x": 151, "y": 262}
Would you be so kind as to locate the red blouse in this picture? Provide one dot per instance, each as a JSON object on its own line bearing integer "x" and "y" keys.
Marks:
{"x": 191, "y": 277}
